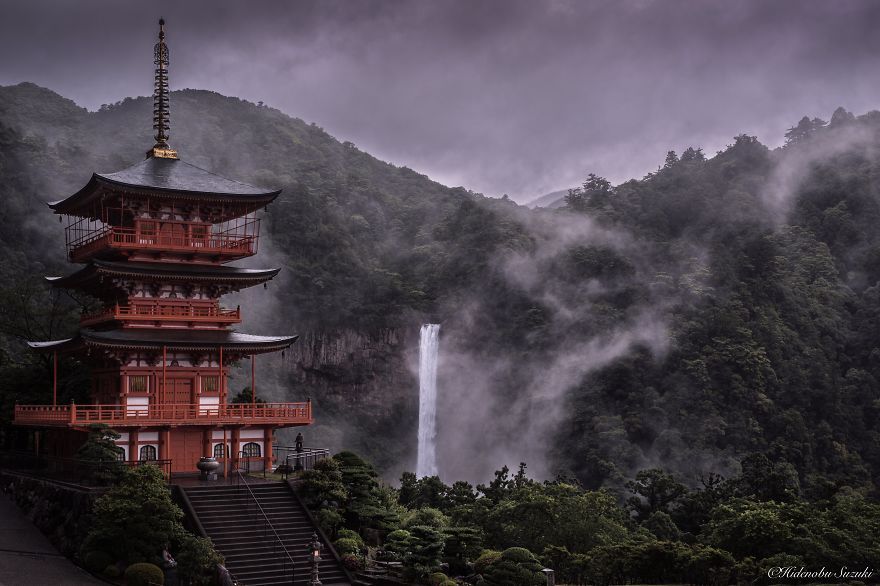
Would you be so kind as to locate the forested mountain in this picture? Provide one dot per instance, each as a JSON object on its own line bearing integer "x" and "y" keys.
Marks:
{"x": 554, "y": 199}
{"x": 720, "y": 307}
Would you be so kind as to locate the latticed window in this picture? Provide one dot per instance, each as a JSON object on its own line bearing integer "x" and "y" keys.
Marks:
{"x": 148, "y": 228}
{"x": 148, "y": 453}
{"x": 120, "y": 454}
{"x": 209, "y": 384}
{"x": 219, "y": 452}
{"x": 199, "y": 234}
{"x": 137, "y": 384}
{"x": 251, "y": 450}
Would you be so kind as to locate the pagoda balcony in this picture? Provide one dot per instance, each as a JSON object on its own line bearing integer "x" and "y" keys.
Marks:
{"x": 171, "y": 415}
{"x": 131, "y": 241}
{"x": 165, "y": 312}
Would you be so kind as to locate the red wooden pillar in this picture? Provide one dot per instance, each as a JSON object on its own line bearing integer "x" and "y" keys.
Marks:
{"x": 165, "y": 444}
{"x": 220, "y": 378}
{"x": 253, "y": 380}
{"x": 164, "y": 373}
{"x": 207, "y": 434}
{"x": 133, "y": 453}
{"x": 234, "y": 448}
{"x": 225, "y": 455}
{"x": 267, "y": 446}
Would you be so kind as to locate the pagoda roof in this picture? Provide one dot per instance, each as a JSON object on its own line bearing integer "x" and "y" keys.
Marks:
{"x": 165, "y": 272}
{"x": 171, "y": 178}
{"x": 148, "y": 339}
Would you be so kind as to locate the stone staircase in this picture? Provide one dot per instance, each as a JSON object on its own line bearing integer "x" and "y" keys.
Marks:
{"x": 235, "y": 525}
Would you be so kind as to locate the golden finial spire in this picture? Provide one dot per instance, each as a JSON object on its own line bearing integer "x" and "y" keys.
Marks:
{"x": 161, "y": 116}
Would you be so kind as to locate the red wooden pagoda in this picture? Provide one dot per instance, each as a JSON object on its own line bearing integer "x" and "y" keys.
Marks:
{"x": 154, "y": 239}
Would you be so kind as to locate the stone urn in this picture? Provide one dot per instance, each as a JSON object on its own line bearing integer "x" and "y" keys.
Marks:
{"x": 208, "y": 468}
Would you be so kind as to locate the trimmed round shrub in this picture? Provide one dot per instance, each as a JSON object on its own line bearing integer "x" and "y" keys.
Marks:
{"x": 487, "y": 558}
{"x": 345, "y": 546}
{"x": 143, "y": 574}
{"x": 348, "y": 534}
{"x": 96, "y": 561}
{"x": 517, "y": 566}
{"x": 112, "y": 571}
{"x": 438, "y": 579}
{"x": 519, "y": 555}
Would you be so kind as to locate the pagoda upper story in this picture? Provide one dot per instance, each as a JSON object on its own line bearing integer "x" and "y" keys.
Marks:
{"x": 163, "y": 209}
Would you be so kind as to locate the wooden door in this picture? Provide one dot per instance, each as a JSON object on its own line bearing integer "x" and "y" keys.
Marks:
{"x": 180, "y": 391}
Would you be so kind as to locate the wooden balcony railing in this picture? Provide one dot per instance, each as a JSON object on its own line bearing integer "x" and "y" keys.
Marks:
{"x": 282, "y": 414}
{"x": 165, "y": 312}
{"x": 225, "y": 245}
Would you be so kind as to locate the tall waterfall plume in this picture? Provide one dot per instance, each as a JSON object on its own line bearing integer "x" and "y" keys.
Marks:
{"x": 429, "y": 346}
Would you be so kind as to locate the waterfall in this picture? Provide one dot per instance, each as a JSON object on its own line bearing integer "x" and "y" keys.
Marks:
{"x": 429, "y": 344}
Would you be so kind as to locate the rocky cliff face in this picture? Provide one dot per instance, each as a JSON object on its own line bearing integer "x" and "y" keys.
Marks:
{"x": 365, "y": 392}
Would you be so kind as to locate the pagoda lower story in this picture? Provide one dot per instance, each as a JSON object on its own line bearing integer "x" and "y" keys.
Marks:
{"x": 165, "y": 392}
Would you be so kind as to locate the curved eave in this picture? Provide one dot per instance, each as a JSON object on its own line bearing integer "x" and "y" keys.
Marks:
{"x": 56, "y": 345}
{"x": 97, "y": 182}
{"x": 141, "y": 340}
{"x": 164, "y": 272}
{"x": 190, "y": 341}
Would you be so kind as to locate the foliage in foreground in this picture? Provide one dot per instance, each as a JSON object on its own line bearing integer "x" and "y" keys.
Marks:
{"x": 136, "y": 518}
{"x": 655, "y": 530}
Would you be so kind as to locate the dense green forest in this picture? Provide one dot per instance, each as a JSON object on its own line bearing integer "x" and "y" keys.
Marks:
{"x": 720, "y": 309}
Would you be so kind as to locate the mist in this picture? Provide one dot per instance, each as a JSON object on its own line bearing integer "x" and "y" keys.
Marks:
{"x": 516, "y": 97}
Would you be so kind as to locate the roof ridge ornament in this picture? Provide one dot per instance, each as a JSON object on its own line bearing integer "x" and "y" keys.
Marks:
{"x": 161, "y": 115}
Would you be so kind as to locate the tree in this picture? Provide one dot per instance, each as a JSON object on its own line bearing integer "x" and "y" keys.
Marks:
{"x": 804, "y": 130}
{"x": 593, "y": 194}
{"x": 136, "y": 518}
{"x": 363, "y": 507}
{"x": 654, "y": 490}
{"x": 841, "y": 117}
{"x": 246, "y": 397}
{"x": 460, "y": 545}
{"x": 425, "y": 548}
{"x": 671, "y": 160}
{"x": 767, "y": 481}
{"x": 691, "y": 154}
{"x": 100, "y": 456}
{"x": 322, "y": 486}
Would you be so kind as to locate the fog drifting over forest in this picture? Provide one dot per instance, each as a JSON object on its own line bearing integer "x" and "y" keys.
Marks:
{"x": 514, "y": 97}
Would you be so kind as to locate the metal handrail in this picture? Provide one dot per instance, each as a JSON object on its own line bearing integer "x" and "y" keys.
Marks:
{"x": 241, "y": 478}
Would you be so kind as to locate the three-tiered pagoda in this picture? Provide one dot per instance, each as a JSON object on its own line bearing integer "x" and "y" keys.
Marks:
{"x": 154, "y": 240}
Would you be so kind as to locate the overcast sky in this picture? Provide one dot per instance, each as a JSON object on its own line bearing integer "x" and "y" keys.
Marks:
{"x": 517, "y": 97}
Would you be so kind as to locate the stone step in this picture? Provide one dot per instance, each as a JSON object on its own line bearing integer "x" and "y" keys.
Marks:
{"x": 236, "y": 527}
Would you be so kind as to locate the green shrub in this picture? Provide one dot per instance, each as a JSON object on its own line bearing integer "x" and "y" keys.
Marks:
{"x": 134, "y": 519}
{"x": 516, "y": 567}
{"x": 352, "y": 562}
{"x": 347, "y": 546}
{"x": 196, "y": 558}
{"x": 349, "y": 534}
{"x": 397, "y": 542}
{"x": 142, "y": 574}
{"x": 96, "y": 561}
{"x": 112, "y": 571}
{"x": 438, "y": 579}
{"x": 426, "y": 516}
{"x": 328, "y": 520}
{"x": 487, "y": 558}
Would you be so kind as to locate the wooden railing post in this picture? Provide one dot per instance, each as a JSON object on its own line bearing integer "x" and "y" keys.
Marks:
{"x": 72, "y": 411}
